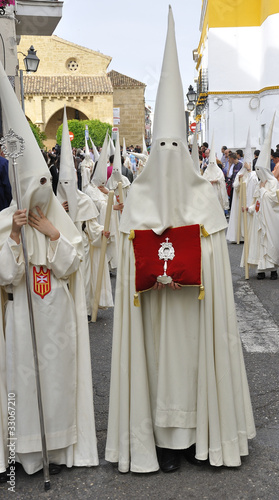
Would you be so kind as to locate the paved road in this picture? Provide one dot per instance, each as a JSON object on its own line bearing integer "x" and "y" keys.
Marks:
{"x": 257, "y": 478}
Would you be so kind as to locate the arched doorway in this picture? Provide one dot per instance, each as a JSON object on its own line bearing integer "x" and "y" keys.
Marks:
{"x": 55, "y": 121}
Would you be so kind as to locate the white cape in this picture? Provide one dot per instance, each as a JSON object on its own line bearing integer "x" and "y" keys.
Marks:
{"x": 173, "y": 337}
{"x": 251, "y": 181}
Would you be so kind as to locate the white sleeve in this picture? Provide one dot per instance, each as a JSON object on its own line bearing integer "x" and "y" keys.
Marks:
{"x": 12, "y": 263}
{"x": 94, "y": 231}
{"x": 62, "y": 257}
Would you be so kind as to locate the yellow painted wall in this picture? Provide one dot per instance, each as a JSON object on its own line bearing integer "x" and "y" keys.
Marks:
{"x": 237, "y": 13}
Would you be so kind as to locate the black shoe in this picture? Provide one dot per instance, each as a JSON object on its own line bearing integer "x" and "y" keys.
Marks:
{"x": 89, "y": 318}
{"x": 3, "y": 477}
{"x": 273, "y": 275}
{"x": 190, "y": 453}
{"x": 260, "y": 276}
{"x": 54, "y": 469}
{"x": 169, "y": 460}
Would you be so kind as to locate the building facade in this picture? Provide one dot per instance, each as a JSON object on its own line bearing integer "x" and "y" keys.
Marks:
{"x": 237, "y": 71}
{"x": 77, "y": 76}
{"x": 67, "y": 74}
{"x": 128, "y": 98}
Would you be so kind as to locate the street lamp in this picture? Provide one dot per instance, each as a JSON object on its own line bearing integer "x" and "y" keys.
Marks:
{"x": 190, "y": 106}
{"x": 31, "y": 63}
{"x": 191, "y": 95}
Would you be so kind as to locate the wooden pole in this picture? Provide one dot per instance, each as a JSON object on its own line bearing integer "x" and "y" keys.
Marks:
{"x": 246, "y": 243}
{"x": 120, "y": 192}
{"x": 239, "y": 212}
{"x": 102, "y": 258}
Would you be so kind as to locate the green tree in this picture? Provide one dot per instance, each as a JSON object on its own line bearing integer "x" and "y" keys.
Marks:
{"x": 97, "y": 132}
{"x": 39, "y": 135}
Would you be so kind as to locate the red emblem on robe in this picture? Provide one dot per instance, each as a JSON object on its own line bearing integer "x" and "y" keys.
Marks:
{"x": 257, "y": 206}
{"x": 185, "y": 268}
{"x": 41, "y": 281}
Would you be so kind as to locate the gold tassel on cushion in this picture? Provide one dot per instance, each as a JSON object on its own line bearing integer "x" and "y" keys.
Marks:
{"x": 204, "y": 232}
{"x": 201, "y": 295}
{"x": 136, "y": 300}
{"x": 132, "y": 235}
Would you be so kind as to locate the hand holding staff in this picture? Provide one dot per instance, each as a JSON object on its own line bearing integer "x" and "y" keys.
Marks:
{"x": 102, "y": 258}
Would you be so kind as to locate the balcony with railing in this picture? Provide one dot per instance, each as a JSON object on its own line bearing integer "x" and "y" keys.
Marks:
{"x": 202, "y": 92}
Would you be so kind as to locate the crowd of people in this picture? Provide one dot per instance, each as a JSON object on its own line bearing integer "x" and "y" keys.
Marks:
{"x": 261, "y": 203}
{"x": 178, "y": 380}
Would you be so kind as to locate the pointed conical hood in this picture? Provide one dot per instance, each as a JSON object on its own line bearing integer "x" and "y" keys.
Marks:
{"x": 264, "y": 157}
{"x": 169, "y": 191}
{"x": 95, "y": 151}
{"x": 144, "y": 148}
{"x": 195, "y": 152}
{"x": 248, "y": 157}
{"x": 86, "y": 167}
{"x": 100, "y": 174}
{"x": 263, "y": 163}
{"x": 67, "y": 184}
{"x": 124, "y": 152}
{"x": 87, "y": 152}
{"x": 141, "y": 156}
{"x": 111, "y": 149}
{"x": 116, "y": 174}
{"x": 169, "y": 114}
{"x": 34, "y": 180}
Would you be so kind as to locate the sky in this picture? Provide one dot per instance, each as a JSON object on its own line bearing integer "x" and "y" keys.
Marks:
{"x": 133, "y": 33}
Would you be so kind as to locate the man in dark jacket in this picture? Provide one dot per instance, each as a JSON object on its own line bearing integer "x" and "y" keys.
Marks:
{"x": 125, "y": 171}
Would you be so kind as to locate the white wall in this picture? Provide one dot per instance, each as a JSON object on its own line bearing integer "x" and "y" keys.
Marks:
{"x": 232, "y": 119}
{"x": 242, "y": 60}
{"x": 234, "y": 59}
{"x": 270, "y": 52}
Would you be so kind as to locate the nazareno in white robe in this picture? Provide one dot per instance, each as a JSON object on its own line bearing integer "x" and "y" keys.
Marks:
{"x": 63, "y": 349}
{"x": 251, "y": 180}
{"x": 177, "y": 375}
{"x": 262, "y": 231}
{"x": 174, "y": 337}
{"x": 100, "y": 199}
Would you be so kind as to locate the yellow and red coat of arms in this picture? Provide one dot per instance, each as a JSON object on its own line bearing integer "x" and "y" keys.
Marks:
{"x": 41, "y": 281}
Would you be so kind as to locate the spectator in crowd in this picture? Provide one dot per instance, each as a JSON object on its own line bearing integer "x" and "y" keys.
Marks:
{"x": 225, "y": 162}
{"x": 239, "y": 154}
{"x": 110, "y": 167}
{"x": 256, "y": 156}
{"x": 126, "y": 171}
{"x": 276, "y": 165}
{"x": 236, "y": 165}
{"x": 223, "y": 149}
{"x": 78, "y": 159}
{"x": 205, "y": 159}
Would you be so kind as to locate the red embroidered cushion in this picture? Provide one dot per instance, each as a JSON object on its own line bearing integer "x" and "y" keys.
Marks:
{"x": 185, "y": 268}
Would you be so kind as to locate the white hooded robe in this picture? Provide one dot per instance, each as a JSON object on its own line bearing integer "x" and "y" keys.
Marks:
{"x": 177, "y": 374}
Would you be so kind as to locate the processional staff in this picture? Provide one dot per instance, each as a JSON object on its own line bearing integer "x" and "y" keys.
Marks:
{"x": 13, "y": 147}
